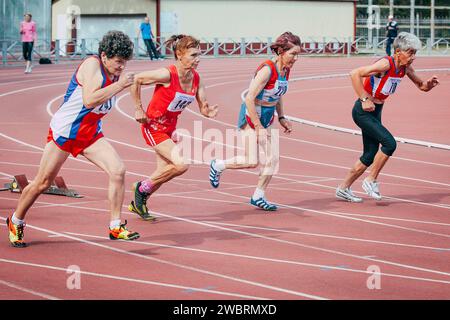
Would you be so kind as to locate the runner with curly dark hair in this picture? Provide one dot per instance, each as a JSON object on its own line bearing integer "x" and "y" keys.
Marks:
{"x": 76, "y": 129}
{"x": 116, "y": 44}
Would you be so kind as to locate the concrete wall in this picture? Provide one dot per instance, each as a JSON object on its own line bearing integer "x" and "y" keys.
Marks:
{"x": 111, "y": 7}
{"x": 236, "y": 19}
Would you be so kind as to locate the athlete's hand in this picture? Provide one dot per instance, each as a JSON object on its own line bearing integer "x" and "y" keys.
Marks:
{"x": 126, "y": 80}
{"x": 286, "y": 124}
{"x": 368, "y": 106}
{"x": 432, "y": 82}
{"x": 140, "y": 115}
{"x": 175, "y": 137}
{"x": 211, "y": 111}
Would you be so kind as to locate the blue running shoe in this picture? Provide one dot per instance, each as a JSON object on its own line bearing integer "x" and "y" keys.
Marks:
{"x": 263, "y": 204}
{"x": 214, "y": 175}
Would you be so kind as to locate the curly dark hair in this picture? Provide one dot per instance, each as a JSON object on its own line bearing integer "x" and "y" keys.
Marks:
{"x": 116, "y": 43}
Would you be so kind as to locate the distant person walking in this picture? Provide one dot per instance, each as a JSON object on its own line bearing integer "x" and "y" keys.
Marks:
{"x": 147, "y": 35}
{"x": 29, "y": 35}
{"x": 391, "y": 33}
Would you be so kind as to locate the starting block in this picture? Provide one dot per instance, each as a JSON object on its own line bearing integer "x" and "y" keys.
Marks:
{"x": 58, "y": 187}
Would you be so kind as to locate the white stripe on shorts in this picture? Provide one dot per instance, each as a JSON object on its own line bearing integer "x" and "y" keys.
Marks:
{"x": 149, "y": 136}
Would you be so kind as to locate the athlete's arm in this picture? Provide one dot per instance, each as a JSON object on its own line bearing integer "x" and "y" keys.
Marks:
{"x": 357, "y": 75}
{"x": 90, "y": 77}
{"x": 159, "y": 76}
{"x": 285, "y": 123}
{"x": 205, "y": 109}
{"x": 256, "y": 85}
{"x": 422, "y": 85}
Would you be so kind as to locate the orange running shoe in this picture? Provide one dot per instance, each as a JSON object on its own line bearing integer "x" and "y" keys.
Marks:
{"x": 121, "y": 232}
{"x": 15, "y": 233}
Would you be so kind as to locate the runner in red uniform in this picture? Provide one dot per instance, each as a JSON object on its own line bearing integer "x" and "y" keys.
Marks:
{"x": 76, "y": 129}
{"x": 177, "y": 86}
{"x": 373, "y": 84}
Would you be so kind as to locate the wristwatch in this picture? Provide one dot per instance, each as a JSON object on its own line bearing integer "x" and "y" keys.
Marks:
{"x": 364, "y": 99}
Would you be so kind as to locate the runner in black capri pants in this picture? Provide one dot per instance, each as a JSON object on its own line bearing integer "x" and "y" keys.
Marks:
{"x": 381, "y": 80}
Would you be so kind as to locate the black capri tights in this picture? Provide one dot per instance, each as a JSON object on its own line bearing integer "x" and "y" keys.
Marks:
{"x": 27, "y": 50}
{"x": 373, "y": 133}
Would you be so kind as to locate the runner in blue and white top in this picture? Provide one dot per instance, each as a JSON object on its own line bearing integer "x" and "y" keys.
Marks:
{"x": 264, "y": 97}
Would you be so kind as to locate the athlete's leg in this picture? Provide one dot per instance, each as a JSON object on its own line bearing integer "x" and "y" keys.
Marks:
{"x": 370, "y": 146}
{"x": 103, "y": 155}
{"x": 51, "y": 162}
{"x": 170, "y": 163}
{"x": 270, "y": 147}
{"x": 250, "y": 156}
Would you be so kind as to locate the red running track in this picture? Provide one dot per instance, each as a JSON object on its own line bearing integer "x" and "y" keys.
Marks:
{"x": 210, "y": 244}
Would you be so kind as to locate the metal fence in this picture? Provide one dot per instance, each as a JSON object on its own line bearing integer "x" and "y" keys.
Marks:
{"x": 422, "y": 27}
{"x": 67, "y": 50}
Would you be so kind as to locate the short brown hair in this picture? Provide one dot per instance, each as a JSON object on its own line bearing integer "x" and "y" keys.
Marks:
{"x": 285, "y": 42}
{"x": 182, "y": 43}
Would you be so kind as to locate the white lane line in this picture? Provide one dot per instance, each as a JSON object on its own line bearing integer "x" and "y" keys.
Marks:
{"x": 313, "y": 162}
{"x": 21, "y": 151}
{"x": 48, "y": 108}
{"x": 30, "y": 88}
{"x": 34, "y": 80}
{"x": 308, "y": 246}
{"x": 37, "y": 166}
{"x": 243, "y": 186}
{"x": 315, "y": 211}
{"x": 310, "y": 161}
{"x": 329, "y": 236}
{"x": 283, "y": 261}
{"x": 181, "y": 266}
{"x": 445, "y": 206}
{"x": 33, "y": 292}
{"x": 256, "y": 235}
{"x": 134, "y": 280}
{"x": 282, "y": 178}
{"x": 346, "y": 217}
{"x": 390, "y": 218}
{"x": 282, "y": 137}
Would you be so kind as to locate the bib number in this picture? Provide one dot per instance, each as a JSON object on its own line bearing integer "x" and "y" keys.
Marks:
{"x": 390, "y": 86}
{"x": 180, "y": 102}
{"x": 281, "y": 88}
{"x": 104, "y": 108}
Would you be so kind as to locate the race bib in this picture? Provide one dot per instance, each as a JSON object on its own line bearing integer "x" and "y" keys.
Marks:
{"x": 281, "y": 87}
{"x": 106, "y": 107}
{"x": 390, "y": 85}
{"x": 180, "y": 102}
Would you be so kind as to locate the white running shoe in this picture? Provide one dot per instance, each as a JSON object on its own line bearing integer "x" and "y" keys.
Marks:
{"x": 372, "y": 189}
{"x": 347, "y": 195}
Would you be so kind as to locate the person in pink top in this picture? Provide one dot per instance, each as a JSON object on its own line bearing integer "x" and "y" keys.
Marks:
{"x": 29, "y": 35}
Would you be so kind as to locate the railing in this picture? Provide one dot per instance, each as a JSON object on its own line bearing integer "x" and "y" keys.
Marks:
{"x": 67, "y": 50}
{"x": 364, "y": 45}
